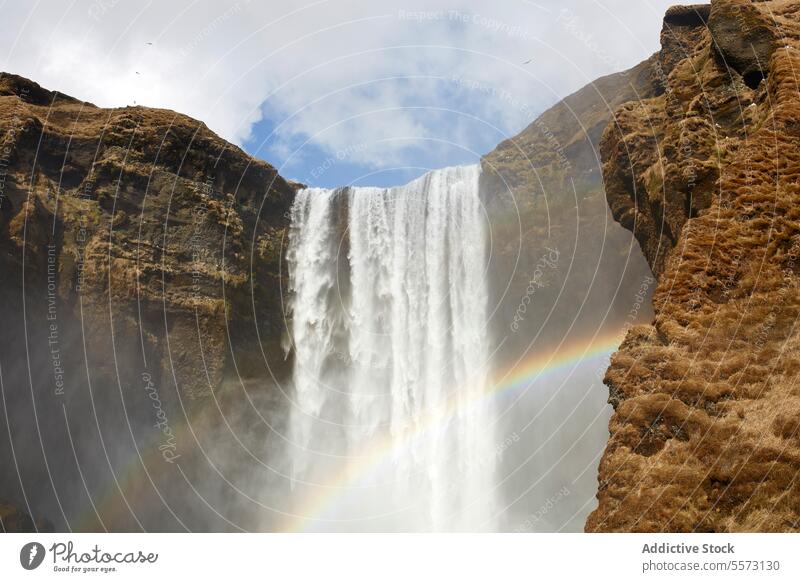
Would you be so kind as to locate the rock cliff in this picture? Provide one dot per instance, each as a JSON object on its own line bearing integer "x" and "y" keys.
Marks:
{"x": 706, "y": 430}
{"x": 142, "y": 264}
{"x": 150, "y": 224}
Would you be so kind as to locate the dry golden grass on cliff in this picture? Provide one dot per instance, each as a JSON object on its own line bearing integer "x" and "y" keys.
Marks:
{"x": 706, "y": 432}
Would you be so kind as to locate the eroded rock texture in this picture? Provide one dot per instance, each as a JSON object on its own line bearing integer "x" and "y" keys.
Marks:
{"x": 706, "y": 430}
{"x": 141, "y": 257}
{"x": 145, "y": 215}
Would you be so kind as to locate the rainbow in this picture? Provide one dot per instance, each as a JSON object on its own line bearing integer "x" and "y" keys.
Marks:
{"x": 379, "y": 454}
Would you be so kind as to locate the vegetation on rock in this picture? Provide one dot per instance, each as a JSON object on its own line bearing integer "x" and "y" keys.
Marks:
{"x": 705, "y": 433}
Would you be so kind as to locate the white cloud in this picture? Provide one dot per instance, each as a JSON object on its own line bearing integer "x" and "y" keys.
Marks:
{"x": 336, "y": 72}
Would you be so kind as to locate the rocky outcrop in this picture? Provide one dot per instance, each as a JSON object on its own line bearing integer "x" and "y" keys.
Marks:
{"x": 160, "y": 232}
{"x": 706, "y": 430}
{"x": 142, "y": 263}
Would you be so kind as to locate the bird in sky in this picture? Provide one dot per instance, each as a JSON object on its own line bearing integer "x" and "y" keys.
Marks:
{"x": 528, "y": 62}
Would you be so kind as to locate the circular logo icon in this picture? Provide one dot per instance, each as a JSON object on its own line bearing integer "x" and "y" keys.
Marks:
{"x": 31, "y": 555}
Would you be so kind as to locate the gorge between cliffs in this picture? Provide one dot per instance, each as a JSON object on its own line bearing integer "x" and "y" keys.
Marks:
{"x": 592, "y": 328}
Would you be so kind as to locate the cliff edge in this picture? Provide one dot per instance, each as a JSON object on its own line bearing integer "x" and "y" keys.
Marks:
{"x": 706, "y": 430}
{"x": 142, "y": 261}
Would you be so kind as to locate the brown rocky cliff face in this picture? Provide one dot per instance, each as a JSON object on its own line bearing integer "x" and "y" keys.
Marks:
{"x": 706, "y": 430}
{"x": 159, "y": 231}
{"x": 136, "y": 247}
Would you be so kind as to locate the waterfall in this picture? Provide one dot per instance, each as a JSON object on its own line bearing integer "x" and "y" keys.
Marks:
{"x": 391, "y": 427}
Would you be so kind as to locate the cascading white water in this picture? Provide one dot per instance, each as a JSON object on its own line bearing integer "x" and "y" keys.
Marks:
{"x": 391, "y": 428}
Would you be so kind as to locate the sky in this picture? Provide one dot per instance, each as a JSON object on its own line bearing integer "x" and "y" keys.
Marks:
{"x": 333, "y": 92}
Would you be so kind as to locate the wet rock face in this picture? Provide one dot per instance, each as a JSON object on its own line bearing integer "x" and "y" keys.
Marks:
{"x": 706, "y": 175}
{"x": 160, "y": 240}
{"x": 143, "y": 273}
